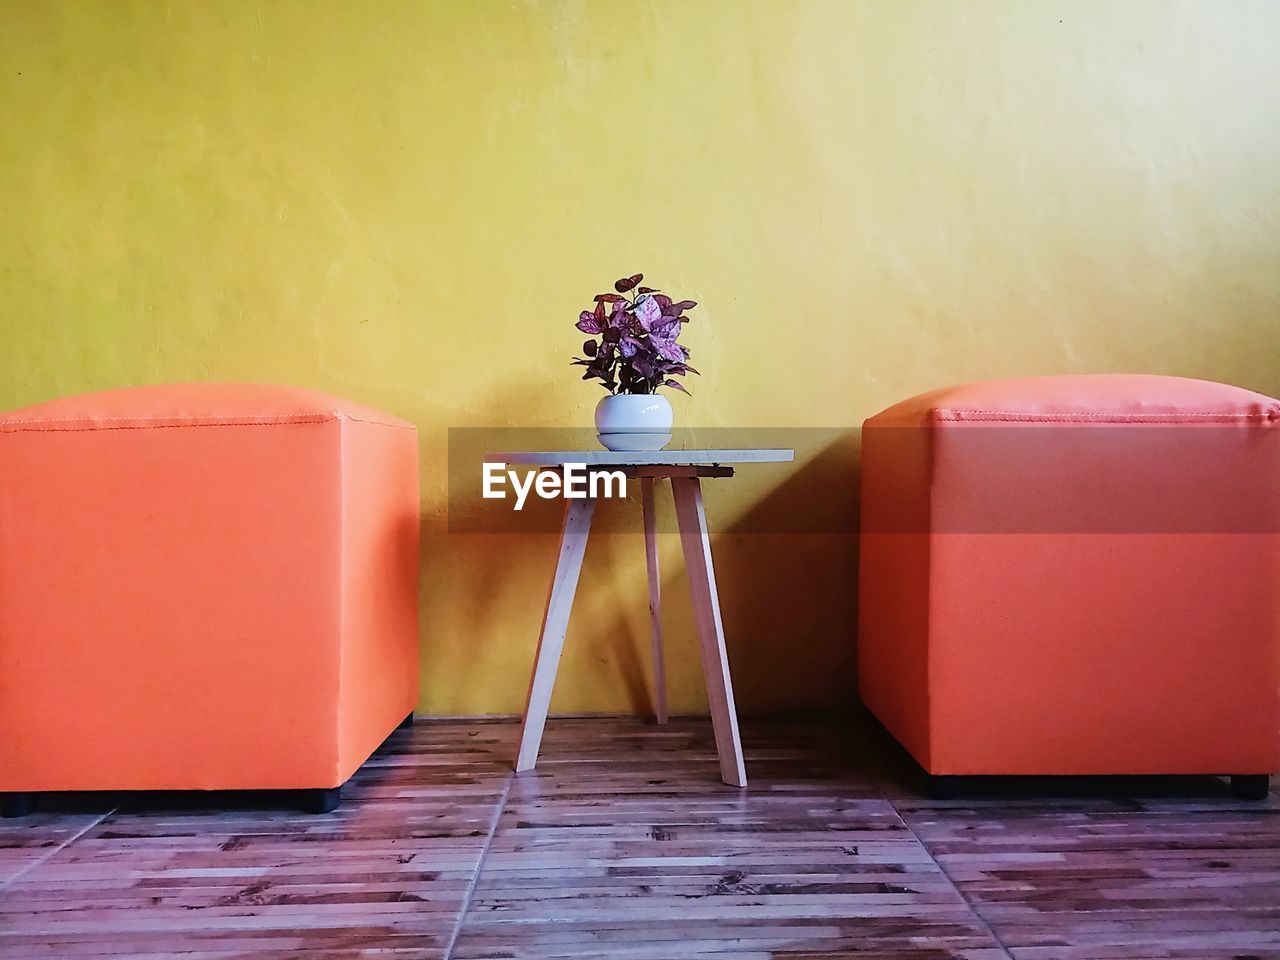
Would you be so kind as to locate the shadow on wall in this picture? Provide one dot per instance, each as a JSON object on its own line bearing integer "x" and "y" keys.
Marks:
{"x": 787, "y": 572}
{"x": 482, "y": 601}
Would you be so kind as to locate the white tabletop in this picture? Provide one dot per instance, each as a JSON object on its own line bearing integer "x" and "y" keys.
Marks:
{"x": 642, "y": 458}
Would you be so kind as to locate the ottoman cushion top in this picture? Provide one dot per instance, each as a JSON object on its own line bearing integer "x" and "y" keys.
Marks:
{"x": 190, "y": 404}
{"x": 1086, "y": 398}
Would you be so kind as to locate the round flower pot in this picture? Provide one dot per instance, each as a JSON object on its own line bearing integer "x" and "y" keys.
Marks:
{"x": 628, "y": 421}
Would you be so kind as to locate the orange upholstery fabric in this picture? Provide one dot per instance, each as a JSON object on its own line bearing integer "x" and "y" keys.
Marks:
{"x": 206, "y": 586}
{"x": 1074, "y": 575}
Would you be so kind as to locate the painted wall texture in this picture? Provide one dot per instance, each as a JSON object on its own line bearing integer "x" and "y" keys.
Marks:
{"x": 408, "y": 202}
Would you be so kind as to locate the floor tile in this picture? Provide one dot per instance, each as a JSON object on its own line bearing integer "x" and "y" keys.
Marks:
{"x": 624, "y": 842}
{"x": 388, "y": 871}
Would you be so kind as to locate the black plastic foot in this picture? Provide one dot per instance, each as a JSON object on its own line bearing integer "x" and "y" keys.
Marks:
{"x": 321, "y": 801}
{"x": 15, "y": 804}
{"x": 1251, "y": 786}
{"x": 406, "y": 722}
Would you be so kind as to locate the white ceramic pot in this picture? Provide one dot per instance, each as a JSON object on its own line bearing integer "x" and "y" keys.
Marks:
{"x": 629, "y": 421}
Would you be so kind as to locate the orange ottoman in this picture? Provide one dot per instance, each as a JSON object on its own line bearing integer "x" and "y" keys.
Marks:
{"x": 207, "y": 586}
{"x": 1075, "y": 575}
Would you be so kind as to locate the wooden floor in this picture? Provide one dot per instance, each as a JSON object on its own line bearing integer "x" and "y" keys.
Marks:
{"x": 625, "y": 844}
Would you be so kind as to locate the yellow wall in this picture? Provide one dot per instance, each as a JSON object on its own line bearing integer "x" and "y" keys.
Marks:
{"x": 408, "y": 202}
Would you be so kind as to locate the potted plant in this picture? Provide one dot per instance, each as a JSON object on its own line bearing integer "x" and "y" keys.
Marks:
{"x": 637, "y": 353}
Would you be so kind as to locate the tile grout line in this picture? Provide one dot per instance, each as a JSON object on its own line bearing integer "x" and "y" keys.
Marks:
{"x": 58, "y": 849}
{"x": 878, "y": 781}
{"x": 973, "y": 909}
{"x": 470, "y": 892}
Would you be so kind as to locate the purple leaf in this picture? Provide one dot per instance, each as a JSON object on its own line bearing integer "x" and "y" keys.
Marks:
{"x": 588, "y": 322}
{"x": 648, "y": 312}
{"x": 609, "y": 298}
{"x": 667, "y": 349}
{"x": 626, "y": 283}
{"x": 628, "y": 346}
{"x": 684, "y": 305}
{"x": 666, "y": 329}
{"x": 601, "y": 368}
{"x": 677, "y": 385}
{"x": 590, "y": 347}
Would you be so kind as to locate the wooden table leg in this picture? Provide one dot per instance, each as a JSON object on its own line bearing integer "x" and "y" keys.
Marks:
{"x": 555, "y": 621}
{"x": 706, "y": 607}
{"x": 655, "y": 598}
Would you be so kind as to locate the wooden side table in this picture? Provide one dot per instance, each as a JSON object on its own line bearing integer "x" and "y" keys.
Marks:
{"x": 684, "y": 468}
